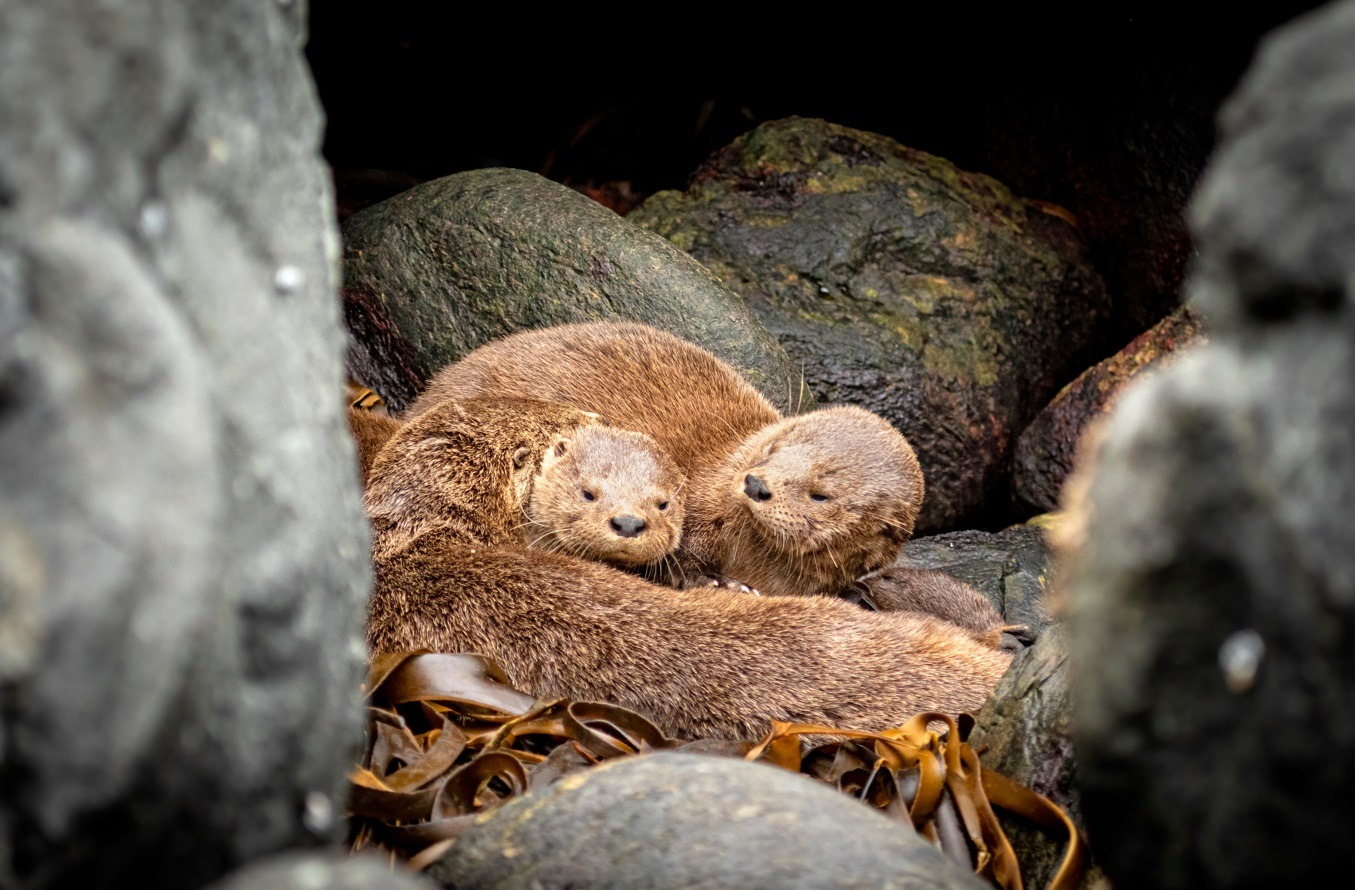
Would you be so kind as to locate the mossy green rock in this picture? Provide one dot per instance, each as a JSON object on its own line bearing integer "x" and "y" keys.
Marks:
{"x": 436, "y": 271}
{"x": 899, "y": 283}
{"x": 676, "y": 820}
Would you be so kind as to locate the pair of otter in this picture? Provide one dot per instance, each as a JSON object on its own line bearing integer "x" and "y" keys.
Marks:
{"x": 828, "y": 496}
{"x": 446, "y": 494}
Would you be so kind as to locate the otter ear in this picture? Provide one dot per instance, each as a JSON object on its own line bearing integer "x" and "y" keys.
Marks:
{"x": 521, "y": 456}
{"x": 561, "y": 447}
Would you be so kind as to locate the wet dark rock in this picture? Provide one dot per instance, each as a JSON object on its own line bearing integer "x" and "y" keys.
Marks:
{"x": 673, "y": 820}
{"x": 1213, "y": 602}
{"x": 434, "y": 272}
{"x": 1045, "y": 451}
{"x": 1011, "y": 568}
{"x": 183, "y": 558}
{"x": 900, "y": 283}
{"x": 1025, "y": 733}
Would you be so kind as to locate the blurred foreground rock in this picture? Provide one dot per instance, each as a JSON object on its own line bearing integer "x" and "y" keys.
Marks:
{"x": 1213, "y": 602}
{"x": 899, "y": 283}
{"x": 316, "y": 871}
{"x": 434, "y": 272}
{"x": 671, "y": 820}
{"x": 183, "y": 560}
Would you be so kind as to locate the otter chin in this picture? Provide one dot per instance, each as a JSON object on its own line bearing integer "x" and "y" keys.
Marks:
{"x": 607, "y": 494}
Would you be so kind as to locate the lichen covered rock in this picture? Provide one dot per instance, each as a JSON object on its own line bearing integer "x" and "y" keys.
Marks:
{"x": 899, "y": 283}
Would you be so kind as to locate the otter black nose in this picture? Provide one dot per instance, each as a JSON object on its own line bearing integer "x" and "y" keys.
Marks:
{"x": 756, "y": 489}
{"x": 627, "y": 526}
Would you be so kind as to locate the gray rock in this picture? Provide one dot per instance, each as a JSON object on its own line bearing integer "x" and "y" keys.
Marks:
{"x": 672, "y": 820}
{"x": 1011, "y": 568}
{"x": 318, "y": 871}
{"x": 184, "y": 561}
{"x": 1214, "y": 599}
{"x": 900, "y": 283}
{"x": 436, "y": 271}
{"x": 1025, "y": 733}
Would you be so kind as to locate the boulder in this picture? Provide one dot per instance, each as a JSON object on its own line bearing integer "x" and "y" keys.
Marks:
{"x": 899, "y": 283}
{"x": 1045, "y": 451}
{"x": 671, "y": 820}
{"x": 1011, "y": 568}
{"x": 184, "y": 560}
{"x": 436, "y": 271}
{"x": 1213, "y": 601}
{"x": 317, "y": 871}
{"x": 1025, "y": 733}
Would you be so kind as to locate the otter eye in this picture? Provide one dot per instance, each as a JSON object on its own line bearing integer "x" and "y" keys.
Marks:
{"x": 663, "y": 505}
{"x": 817, "y": 496}
{"x": 588, "y": 495}
{"x": 561, "y": 447}
{"x": 521, "y": 456}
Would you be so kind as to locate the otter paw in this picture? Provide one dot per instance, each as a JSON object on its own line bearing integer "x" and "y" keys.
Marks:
{"x": 731, "y": 584}
{"x": 1015, "y": 637}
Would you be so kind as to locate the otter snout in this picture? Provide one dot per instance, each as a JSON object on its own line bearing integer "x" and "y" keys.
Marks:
{"x": 628, "y": 526}
{"x": 756, "y": 489}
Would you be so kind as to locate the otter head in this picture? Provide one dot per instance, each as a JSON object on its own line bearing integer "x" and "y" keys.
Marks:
{"x": 836, "y": 490}
{"x": 607, "y": 494}
{"x": 467, "y": 464}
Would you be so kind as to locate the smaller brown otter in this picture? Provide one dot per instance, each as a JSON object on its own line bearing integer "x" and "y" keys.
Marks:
{"x": 451, "y": 575}
{"x": 930, "y": 592}
{"x": 607, "y": 494}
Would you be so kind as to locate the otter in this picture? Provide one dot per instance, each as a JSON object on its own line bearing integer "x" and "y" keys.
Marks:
{"x": 787, "y": 505}
{"x": 611, "y": 495}
{"x": 370, "y": 430}
{"x": 451, "y": 575}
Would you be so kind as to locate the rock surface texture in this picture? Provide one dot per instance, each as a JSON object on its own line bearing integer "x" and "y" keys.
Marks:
{"x": 672, "y": 820}
{"x": 436, "y": 271}
{"x": 1213, "y": 602}
{"x": 899, "y": 283}
{"x": 1025, "y": 733}
{"x": 1046, "y": 450}
{"x": 183, "y": 559}
{"x": 1011, "y": 568}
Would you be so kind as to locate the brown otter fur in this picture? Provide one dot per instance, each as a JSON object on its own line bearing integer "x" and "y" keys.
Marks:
{"x": 608, "y": 494}
{"x": 903, "y": 589}
{"x": 611, "y": 495}
{"x": 371, "y": 430}
{"x": 451, "y": 576}
{"x": 798, "y": 505}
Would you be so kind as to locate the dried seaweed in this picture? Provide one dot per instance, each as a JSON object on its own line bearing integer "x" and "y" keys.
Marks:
{"x": 450, "y": 738}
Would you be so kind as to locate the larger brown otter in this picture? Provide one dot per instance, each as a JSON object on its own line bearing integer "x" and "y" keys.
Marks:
{"x": 451, "y": 576}
{"x": 799, "y": 505}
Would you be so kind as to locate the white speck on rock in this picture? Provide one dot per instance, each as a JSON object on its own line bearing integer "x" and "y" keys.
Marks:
{"x": 1240, "y": 658}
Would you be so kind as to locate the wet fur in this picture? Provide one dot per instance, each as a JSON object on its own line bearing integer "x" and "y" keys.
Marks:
{"x": 599, "y": 475}
{"x": 451, "y": 576}
{"x": 626, "y": 471}
{"x": 719, "y": 429}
